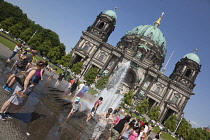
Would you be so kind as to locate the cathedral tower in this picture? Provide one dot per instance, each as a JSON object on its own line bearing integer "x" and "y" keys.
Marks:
{"x": 104, "y": 25}
{"x": 186, "y": 70}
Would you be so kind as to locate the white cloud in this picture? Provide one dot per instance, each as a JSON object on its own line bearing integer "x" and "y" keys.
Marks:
{"x": 194, "y": 124}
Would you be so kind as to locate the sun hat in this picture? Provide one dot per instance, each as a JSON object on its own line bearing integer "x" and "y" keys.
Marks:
{"x": 77, "y": 99}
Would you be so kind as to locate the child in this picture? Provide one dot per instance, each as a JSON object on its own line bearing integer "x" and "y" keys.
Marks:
{"x": 93, "y": 111}
{"x": 77, "y": 106}
{"x": 134, "y": 134}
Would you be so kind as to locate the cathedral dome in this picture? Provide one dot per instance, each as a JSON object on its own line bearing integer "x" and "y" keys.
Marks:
{"x": 152, "y": 32}
{"x": 111, "y": 14}
{"x": 192, "y": 56}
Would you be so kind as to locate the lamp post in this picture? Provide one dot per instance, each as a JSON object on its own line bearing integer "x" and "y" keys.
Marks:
{"x": 179, "y": 123}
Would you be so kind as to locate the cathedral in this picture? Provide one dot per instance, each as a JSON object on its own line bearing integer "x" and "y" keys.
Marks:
{"x": 145, "y": 47}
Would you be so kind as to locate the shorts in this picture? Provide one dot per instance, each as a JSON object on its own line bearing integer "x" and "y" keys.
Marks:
{"x": 80, "y": 94}
{"x": 93, "y": 111}
{"x": 35, "y": 79}
{"x": 16, "y": 70}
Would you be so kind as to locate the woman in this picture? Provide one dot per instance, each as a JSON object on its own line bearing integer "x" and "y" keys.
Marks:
{"x": 128, "y": 130}
{"x": 38, "y": 75}
{"x": 60, "y": 78}
{"x": 16, "y": 49}
{"x": 142, "y": 134}
{"x": 134, "y": 134}
{"x": 104, "y": 119}
{"x": 73, "y": 87}
{"x": 20, "y": 92}
{"x": 119, "y": 129}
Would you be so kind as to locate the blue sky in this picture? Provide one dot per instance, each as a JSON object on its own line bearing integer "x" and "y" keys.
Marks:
{"x": 186, "y": 26}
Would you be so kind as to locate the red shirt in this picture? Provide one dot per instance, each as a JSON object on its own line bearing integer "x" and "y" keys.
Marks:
{"x": 71, "y": 81}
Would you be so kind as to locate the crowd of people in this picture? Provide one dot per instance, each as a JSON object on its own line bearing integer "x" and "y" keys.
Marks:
{"x": 26, "y": 75}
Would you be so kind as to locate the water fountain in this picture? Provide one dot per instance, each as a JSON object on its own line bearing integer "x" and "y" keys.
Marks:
{"x": 111, "y": 98}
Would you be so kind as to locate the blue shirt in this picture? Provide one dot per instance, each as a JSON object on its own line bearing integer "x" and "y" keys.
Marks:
{"x": 84, "y": 89}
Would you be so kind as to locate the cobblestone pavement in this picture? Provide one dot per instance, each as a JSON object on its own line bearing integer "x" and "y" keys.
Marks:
{"x": 42, "y": 115}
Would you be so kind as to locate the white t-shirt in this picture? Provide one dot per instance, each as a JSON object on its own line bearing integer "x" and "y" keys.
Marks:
{"x": 16, "y": 49}
{"x": 146, "y": 129}
{"x": 80, "y": 86}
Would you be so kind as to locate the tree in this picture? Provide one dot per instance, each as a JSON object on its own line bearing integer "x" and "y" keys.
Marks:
{"x": 154, "y": 113}
{"x": 90, "y": 76}
{"x": 128, "y": 97}
{"x": 54, "y": 54}
{"x": 102, "y": 82}
{"x": 16, "y": 29}
{"x": 46, "y": 50}
{"x": 77, "y": 68}
{"x": 199, "y": 134}
{"x": 171, "y": 123}
{"x": 142, "y": 106}
{"x": 7, "y": 23}
{"x": 184, "y": 129}
{"x": 26, "y": 34}
{"x": 66, "y": 60}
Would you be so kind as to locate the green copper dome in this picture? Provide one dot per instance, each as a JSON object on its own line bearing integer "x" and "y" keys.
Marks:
{"x": 192, "y": 56}
{"x": 153, "y": 32}
{"x": 111, "y": 14}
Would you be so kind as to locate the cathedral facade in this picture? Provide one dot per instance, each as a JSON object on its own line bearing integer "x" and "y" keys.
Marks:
{"x": 145, "y": 48}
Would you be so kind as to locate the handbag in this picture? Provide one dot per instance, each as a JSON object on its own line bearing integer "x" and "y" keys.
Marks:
{"x": 20, "y": 94}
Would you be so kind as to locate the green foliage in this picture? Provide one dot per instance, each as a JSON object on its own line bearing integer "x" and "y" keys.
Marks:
{"x": 171, "y": 123}
{"x": 43, "y": 40}
{"x": 101, "y": 83}
{"x": 184, "y": 129}
{"x": 199, "y": 134}
{"x": 90, "y": 76}
{"x": 154, "y": 113}
{"x": 164, "y": 135}
{"x": 66, "y": 60}
{"x": 77, "y": 68}
{"x": 16, "y": 29}
{"x": 128, "y": 97}
{"x": 26, "y": 34}
{"x": 7, "y": 23}
{"x": 142, "y": 106}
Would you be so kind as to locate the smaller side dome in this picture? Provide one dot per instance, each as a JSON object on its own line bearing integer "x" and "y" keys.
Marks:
{"x": 111, "y": 14}
{"x": 192, "y": 56}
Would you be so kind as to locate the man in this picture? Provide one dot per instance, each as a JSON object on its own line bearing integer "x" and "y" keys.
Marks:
{"x": 20, "y": 65}
{"x": 93, "y": 111}
{"x": 83, "y": 90}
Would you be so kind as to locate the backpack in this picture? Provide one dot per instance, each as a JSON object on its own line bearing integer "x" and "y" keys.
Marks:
{"x": 21, "y": 62}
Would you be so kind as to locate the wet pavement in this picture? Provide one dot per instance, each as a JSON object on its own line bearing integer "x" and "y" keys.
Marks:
{"x": 42, "y": 115}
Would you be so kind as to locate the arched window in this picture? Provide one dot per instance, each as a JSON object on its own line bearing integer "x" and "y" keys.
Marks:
{"x": 188, "y": 72}
{"x": 157, "y": 90}
{"x": 101, "y": 57}
{"x": 111, "y": 63}
{"x": 175, "y": 99}
{"x": 130, "y": 78}
{"x": 86, "y": 48}
{"x": 101, "y": 25}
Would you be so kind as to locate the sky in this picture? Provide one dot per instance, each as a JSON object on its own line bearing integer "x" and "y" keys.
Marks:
{"x": 185, "y": 25}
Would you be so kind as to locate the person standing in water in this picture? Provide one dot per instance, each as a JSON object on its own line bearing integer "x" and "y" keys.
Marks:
{"x": 93, "y": 111}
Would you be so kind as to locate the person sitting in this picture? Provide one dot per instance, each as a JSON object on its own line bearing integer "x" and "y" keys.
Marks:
{"x": 20, "y": 65}
{"x": 21, "y": 91}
